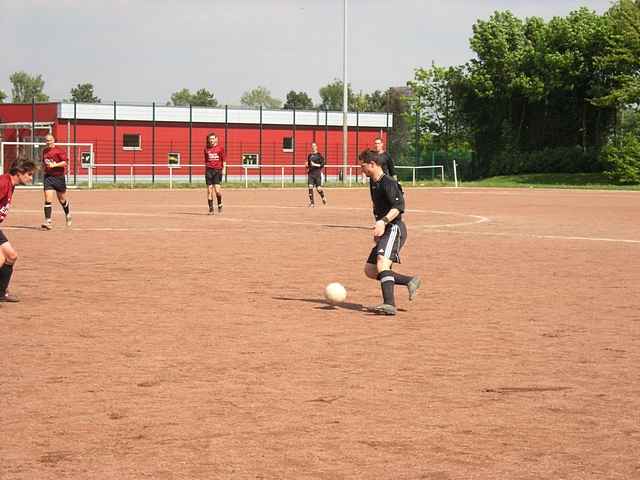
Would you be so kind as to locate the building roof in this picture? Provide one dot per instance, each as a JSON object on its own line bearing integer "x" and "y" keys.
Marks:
{"x": 128, "y": 112}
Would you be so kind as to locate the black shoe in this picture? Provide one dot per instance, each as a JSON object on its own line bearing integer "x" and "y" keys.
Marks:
{"x": 219, "y": 208}
{"x": 211, "y": 211}
{"x": 9, "y": 298}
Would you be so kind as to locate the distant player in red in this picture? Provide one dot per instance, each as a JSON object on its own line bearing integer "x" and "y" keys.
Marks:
{"x": 20, "y": 174}
{"x": 214, "y": 162}
{"x": 54, "y": 160}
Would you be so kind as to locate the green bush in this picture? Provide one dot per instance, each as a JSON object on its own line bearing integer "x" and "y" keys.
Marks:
{"x": 622, "y": 158}
{"x": 548, "y": 160}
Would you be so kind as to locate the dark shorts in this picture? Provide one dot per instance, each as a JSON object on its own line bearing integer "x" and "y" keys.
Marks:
{"x": 390, "y": 243}
{"x": 52, "y": 182}
{"x": 314, "y": 179}
{"x": 3, "y": 239}
{"x": 213, "y": 176}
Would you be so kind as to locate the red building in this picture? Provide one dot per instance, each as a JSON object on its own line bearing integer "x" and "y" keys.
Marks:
{"x": 142, "y": 138}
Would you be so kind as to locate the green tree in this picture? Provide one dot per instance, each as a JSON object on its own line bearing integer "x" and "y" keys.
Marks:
{"x": 434, "y": 103}
{"x": 623, "y": 54}
{"x": 622, "y": 158}
{"x": 531, "y": 87}
{"x": 397, "y": 104}
{"x": 331, "y": 96}
{"x": 201, "y": 98}
{"x": 371, "y": 102}
{"x": 260, "y": 96}
{"x": 26, "y": 87}
{"x": 84, "y": 93}
{"x": 2, "y": 96}
{"x": 298, "y": 100}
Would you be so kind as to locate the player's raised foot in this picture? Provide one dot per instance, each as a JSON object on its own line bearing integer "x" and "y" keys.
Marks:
{"x": 68, "y": 220}
{"x": 9, "y": 298}
{"x": 47, "y": 225}
{"x": 384, "y": 309}
{"x": 324, "y": 201}
{"x": 413, "y": 286}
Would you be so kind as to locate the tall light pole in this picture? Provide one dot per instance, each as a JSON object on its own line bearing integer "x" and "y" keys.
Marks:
{"x": 345, "y": 101}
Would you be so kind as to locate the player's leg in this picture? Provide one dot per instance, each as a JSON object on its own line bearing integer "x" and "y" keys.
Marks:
{"x": 64, "y": 203}
{"x": 371, "y": 271}
{"x": 210, "y": 198}
{"x": 387, "y": 285}
{"x": 8, "y": 258}
{"x": 310, "y": 187}
{"x": 411, "y": 282}
{"x": 387, "y": 252}
{"x": 208, "y": 178}
{"x": 372, "y": 268}
{"x": 321, "y": 192}
{"x": 218, "y": 190}
{"x": 49, "y": 195}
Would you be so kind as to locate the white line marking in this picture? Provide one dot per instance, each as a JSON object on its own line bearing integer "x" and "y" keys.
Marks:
{"x": 478, "y": 219}
{"x": 542, "y": 237}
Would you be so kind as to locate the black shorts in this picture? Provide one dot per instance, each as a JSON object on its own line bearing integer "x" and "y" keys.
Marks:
{"x": 3, "y": 239}
{"x": 314, "y": 179}
{"x": 390, "y": 243}
{"x": 213, "y": 176}
{"x": 52, "y": 182}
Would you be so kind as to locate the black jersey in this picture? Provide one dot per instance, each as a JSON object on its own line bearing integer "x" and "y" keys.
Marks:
{"x": 385, "y": 195}
{"x": 317, "y": 159}
{"x": 387, "y": 164}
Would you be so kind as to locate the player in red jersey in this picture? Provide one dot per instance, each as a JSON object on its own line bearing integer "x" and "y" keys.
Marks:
{"x": 20, "y": 174}
{"x": 214, "y": 162}
{"x": 54, "y": 160}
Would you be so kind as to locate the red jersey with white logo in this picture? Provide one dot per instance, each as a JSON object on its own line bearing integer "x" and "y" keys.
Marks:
{"x": 6, "y": 194}
{"x": 214, "y": 157}
{"x": 53, "y": 155}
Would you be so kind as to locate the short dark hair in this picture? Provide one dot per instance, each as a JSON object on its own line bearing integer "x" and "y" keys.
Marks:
{"x": 368, "y": 156}
{"x": 22, "y": 166}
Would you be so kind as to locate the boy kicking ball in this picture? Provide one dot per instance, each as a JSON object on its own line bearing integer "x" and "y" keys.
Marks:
{"x": 389, "y": 233}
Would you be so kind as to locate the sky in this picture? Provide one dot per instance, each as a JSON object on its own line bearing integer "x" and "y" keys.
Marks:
{"x": 144, "y": 50}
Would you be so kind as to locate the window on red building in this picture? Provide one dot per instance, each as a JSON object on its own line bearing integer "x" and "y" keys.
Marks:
{"x": 287, "y": 144}
{"x": 132, "y": 141}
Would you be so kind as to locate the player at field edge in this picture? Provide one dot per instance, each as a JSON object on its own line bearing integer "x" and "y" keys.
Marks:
{"x": 54, "y": 161}
{"x": 389, "y": 233}
{"x": 315, "y": 162}
{"x": 385, "y": 159}
{"x": 214, "y": 163}
{"x": 21, "y": 173}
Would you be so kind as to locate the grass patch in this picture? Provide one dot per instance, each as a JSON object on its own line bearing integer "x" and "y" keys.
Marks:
{"x": 554, "y": 180}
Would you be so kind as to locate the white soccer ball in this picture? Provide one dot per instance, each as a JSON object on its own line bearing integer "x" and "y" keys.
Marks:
{"x": 335, "y": 293}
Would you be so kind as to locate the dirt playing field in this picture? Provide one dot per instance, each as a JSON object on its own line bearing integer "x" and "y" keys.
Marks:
{"x": 155, "y": 341}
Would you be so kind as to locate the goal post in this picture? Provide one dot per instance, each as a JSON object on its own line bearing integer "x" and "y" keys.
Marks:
{"x": 422, "y": 167}
{"x": 86, "y": 154}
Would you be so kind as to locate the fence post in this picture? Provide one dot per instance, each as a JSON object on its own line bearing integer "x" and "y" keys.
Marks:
{"x": 455, "y": 173}
{"x": 115, "y": 122}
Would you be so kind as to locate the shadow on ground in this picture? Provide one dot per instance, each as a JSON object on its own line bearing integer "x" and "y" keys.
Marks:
{"x": 325, "y": 305}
